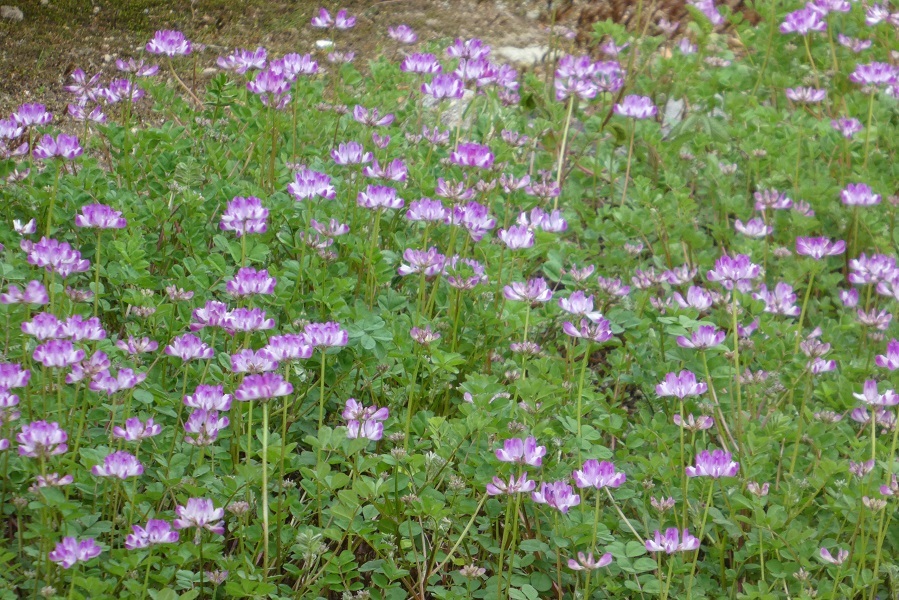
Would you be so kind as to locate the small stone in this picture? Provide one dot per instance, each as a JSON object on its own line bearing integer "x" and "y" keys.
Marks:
{"x": 209, "y": 71}
{"x": 11, "y": 13}
{"x": 107, "y": 58}
{"x": 529, "y": 55}
{"x": 324, "y": 44}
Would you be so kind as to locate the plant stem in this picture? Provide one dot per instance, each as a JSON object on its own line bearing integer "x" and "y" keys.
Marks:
{"x": 868, "y": 127}
{"x": 562, "y": 151}
{"x": 808, "y": 292}
{"x": 705, "y": 515}
{"x": 630, "y": 154}
{"x": 97, "y": 272}
{"x": 265, "y": 490}
{"x": 580, "y": 391}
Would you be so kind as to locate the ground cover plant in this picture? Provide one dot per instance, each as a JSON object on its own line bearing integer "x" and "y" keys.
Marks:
{"x": 417, "y": 325}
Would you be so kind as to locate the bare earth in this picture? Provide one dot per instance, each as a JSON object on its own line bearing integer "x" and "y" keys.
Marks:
{"x": 38, "y": 53}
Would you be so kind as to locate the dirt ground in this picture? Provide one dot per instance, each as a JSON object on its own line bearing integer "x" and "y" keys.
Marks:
{"x": 55, "y": 37}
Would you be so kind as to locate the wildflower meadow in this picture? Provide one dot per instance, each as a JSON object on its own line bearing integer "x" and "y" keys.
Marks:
{"x": 423, "y": 324}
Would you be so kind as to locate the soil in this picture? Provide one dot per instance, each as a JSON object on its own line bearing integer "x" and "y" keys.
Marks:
{"x": 38, "y": 53}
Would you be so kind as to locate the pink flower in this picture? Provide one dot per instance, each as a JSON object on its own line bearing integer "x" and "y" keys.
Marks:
{"x": 714, "y": 464}
{"x": 586, "y": 562}
{"x": 516, "y": 450}
{"x": 202, "y": 514}
{"x": 514, "y": 486}
{"x": 598, "y": 475}
{"x": 671, "y": 542}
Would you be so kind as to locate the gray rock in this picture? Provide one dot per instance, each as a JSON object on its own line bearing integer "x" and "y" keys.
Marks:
{"x": 529, "y": 55}
{"x": 454, "y": 111}
{"x": 11, "y": 13}
{"x": 672, "y": 114}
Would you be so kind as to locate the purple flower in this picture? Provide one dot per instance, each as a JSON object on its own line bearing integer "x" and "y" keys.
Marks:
{"x": 44, "y": 326}
{"x": 247, "y": 361}
{"x": 697, "y": 297}
{"x": 341, "y": 57}
{"x": 598, "y": 475}
{"x": 244, "y": 215}
{"x": 202, "y": 427}
{"x": 755, "y": 228}
{"x": 472, "y": 155}
{"x": 137, "y": 346}
{"x": 272, "y": 87}
{"x": 323, "y": 335}
{"x": 878, "y": 268}
{"x": 444, "y": 85}
{"x": 241, "y": 60}
{"x": 202, "y": 514}
{"x": 168, "y": 42}
{"x": 839, "y": 559}
{"x": 586, "y": 562}
{"x": 156, "y": 532}
{"x": 734, "y": 272}
{"x": 70, "y": 552}
{"x": 333, "y": 228}
{"x": 80, "y": 114}
{"x": 714, "y": 464}
{"x": 425, "y": 336}
{"x": 120, "y": 465}
{"x": 64, "y": 146}
{"x": 429, "y": 262}
{"x": 365, "y": 422}
{"x": 31, "y": 114}
{"x": 681, "y": 385}
{"x": 292, "y": 65}
{"x": 636, "y": 107}
{"x": 534, "y": 290}
{"x": 426, "y": 210}
{"x": 558, "y": 494}
{"x": 780, "y": 301}
{"x": 372, "y": 117}
{"x": 580, "y": 304}
{"x": 847, "y": 127}
{"x": 138, "y": 67}
{"x": 89, "y": 368}
{"x": 474, "y": 217}
{"x": 516, "y": 450}
{"x": 517, "y": 237}
{"x": 340, "y": 21}
{"x": 514, "y": 486}
{"x": 136, "y": 430}
{"x": 803, "y": 22}
{"x": 350, "y": 153}
{"x": 671, "y": 542}
{"x": 189, "y": 347}
{"x": 872, "y": 397}
{"x": 806, "y": 95}
{"x": 209, "y": 397}
{"x": 125, "y": 379}
{"x": 12, "y": 375}
{"x": 395, "y": 171}
{"x": 100, "y": 216}
{"x": 421, "y": 63}
{"x": 311, "y": 184}
{"x": 378, "y": 197}
{"x": 694, "y": 423}
{"x": 859, "y": 194}
{"x": 596, "y": 330}
{"x": 818, "y": 248}
{"x": 57, "y": 353}
{"x": 249, "y": 281}
{"x": 707, "y": 336}
{"x": 708, "y": 8}
{"x": 875, "y": 73}
{"x": 214, "y": 314}
{"x": 264, "y": 386}
{"x": 854, "y": 44}
{"x": 890, "y": 360}
{"x": 289, "y": 347}
{"x": 41, "y": 439}
{"x": 77, "y": 328}
{"x": 473, "y": 48}
{"x": 250, "y": 319}
{"x": 403, "y": 34}
{"x": 771, "y": 200}
{"x": 464, "y": 273}
{"x": 878, "y": 320}
{"x": 613, "y": 287}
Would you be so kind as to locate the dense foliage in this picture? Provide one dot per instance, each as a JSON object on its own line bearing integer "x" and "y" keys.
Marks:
{"x": 414, "y": 325}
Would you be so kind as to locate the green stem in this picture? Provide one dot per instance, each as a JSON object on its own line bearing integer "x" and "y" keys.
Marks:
{"x": 265, "y": 490}
{"x": 97, "y": 272}
{"x": 580, "y": 391}
{"x": 868, "y": 127}
{"x": 53, "y": 199}
{"x": 705, "y": 515}
{"x": 630, "y": 154}
{"x": 808, "y": 292}
{"x": 564, "y": 145}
